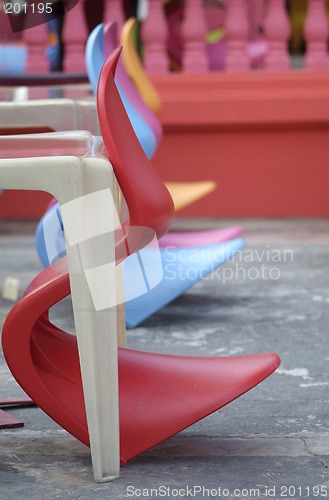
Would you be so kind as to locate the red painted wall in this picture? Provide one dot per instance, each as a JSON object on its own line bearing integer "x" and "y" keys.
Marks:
{"x": 263, "y": 137}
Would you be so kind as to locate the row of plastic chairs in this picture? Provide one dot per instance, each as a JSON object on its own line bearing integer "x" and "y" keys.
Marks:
{"x": 144, "y": 295}
{"x": 75, "y": 380}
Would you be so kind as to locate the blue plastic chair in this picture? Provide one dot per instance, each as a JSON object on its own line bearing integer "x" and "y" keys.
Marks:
{"x": 182, "y": 268}
{"x": 94, "y": 61}
{"x": 145, "y": 291}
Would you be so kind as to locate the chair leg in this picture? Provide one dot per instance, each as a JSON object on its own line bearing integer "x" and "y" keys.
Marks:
{"x": 72, "y": 180}
{"x": 121, "y": 310}
{"x": 93, "y": 279}
{"x": 98, "y": 354}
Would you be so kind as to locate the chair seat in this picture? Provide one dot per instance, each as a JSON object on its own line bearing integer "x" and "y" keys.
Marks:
{"x": 159, "y": 395}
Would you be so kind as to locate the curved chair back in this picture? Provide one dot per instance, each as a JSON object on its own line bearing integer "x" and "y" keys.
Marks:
{"x": 94, "y": 55}
{"x": 149, "y": 202}
{"x": 135, "y": 69}
{"x": 121, "y": 77}
{"x": 94, "y": 61}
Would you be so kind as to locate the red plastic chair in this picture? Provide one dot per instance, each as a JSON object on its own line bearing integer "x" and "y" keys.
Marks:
{"x": 150, "y": 204}
{"x": 159, "y": 395}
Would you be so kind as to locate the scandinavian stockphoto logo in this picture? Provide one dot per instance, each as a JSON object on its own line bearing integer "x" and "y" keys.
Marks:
{"x": 247, "y": 265}
{"x": 92, "y": 230}
{"x": 263, "y": 264}
{"x": 25, "y": 14}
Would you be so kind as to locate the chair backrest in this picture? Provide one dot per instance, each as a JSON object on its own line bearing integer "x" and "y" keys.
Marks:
{"x": 150, "y": 204}
{"x": 121, "y": 77}
{"x": 95, "y": 59}
{"x": 135, "y": 69}
{"x": 95, "y": 55}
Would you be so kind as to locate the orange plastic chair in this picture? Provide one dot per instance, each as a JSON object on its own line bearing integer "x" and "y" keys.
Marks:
{"x": 135, "y": 69}
{"x": 186, "y": 193}
{"x": 183, "y": 193}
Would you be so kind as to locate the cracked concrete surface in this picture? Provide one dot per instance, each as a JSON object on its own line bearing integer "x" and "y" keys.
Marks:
{"x": 275, "y": 436}
{"x": 313, "y": 450}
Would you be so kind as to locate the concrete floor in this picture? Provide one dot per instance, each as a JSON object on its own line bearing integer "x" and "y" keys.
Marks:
{"x": 270, "y": 443}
